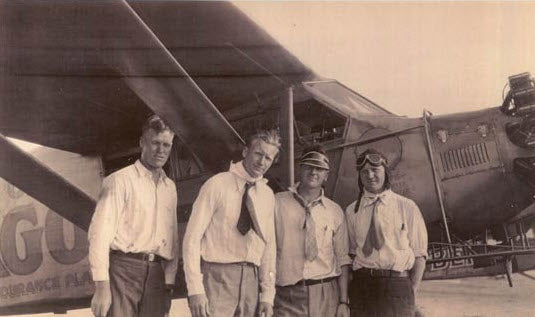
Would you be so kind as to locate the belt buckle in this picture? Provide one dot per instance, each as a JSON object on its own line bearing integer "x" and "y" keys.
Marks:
{"x": 151, "y": 257}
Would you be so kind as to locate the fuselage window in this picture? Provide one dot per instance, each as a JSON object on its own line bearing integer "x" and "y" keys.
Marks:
{"x": 316, "y": 123}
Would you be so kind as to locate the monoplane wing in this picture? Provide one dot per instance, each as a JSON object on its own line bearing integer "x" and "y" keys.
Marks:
{"x": 82, "y": 76}
{"x": 45, "y": 185}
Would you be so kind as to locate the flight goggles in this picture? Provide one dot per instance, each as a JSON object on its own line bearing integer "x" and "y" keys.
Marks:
{"x": 373, "y": 159}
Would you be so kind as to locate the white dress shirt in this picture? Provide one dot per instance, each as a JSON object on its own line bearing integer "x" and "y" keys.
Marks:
{"x": 403, "y": 227}
{"x": 212, "y": 234}
{"x": 331, "y": 237}
{"x": 134, "y": 214}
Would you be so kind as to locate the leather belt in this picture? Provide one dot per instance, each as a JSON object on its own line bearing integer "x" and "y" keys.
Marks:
{"x": 379, "y": 273}
{"x": 244, "y": 264}
{"x": 314, "y": 282}
{"x": 148, "y": 257}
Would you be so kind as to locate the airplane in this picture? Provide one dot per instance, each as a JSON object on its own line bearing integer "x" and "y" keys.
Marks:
{"x": 80, "y": 77}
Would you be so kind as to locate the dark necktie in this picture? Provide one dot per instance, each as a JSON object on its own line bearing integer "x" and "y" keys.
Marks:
{"x": 375, "y": 238}
{"x": 311, "y": 244}
{"x": 245, "y": 221}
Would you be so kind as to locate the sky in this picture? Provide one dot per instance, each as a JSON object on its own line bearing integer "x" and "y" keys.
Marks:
{"x": 406, "y": 56}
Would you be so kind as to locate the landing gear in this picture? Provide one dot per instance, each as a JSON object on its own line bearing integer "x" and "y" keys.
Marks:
{"x": 509, "y": 269}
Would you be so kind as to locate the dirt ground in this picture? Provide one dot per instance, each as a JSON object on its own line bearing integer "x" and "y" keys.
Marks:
{"x": 479, "y": 296}
{"x": 467, "y": 297}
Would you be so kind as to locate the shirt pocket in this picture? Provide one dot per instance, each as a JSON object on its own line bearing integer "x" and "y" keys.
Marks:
{"x": 325, "y": 236}
{"x": 402, "y": 236}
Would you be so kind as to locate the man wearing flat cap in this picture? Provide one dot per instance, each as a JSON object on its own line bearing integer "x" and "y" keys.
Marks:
{"x": 388, "y": 240}
{"x": 312, "y": 245}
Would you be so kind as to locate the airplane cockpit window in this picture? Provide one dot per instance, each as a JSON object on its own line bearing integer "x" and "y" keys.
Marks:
{"x": 317, "y": 123}
{"x": 266, "y": 119}
{"x": 343, "y": 98}
{"x": 182, "y": 163}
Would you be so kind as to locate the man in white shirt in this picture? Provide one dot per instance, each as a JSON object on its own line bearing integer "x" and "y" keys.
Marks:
{"x": 312, "y": 245}
{"x": 389, "y": 241}
{"x": 133, "y": 237}
{"x": 229, "y": 244}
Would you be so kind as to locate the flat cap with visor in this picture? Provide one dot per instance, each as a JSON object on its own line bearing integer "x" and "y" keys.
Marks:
{"x": 315, "y": 159}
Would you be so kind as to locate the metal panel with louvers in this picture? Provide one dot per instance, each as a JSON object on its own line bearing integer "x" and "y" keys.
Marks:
{"x": 469, "y": 159}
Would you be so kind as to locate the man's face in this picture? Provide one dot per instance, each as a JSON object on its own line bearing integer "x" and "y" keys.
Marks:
{"x": 312, "y": 177}
{"x": 373, "y": 177}
{"x": 258, "y": 158}
{"x": 155, "y": 148}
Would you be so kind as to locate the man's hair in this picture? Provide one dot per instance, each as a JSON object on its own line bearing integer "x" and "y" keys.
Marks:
{"x": 386, "y": 184}
{"x": 155, "y": 123}
{"x": 269, "y": 136}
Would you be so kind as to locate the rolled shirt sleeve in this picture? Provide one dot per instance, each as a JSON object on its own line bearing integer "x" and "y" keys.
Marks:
{"x": 418, "y": 232}
{"x": 104, "y": 226}
{"x": 201, "y": 215}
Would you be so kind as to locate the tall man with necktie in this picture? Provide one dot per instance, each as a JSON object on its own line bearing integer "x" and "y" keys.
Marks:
{"x": 229, "y": 246}
{"x": 312, "y": 245}
{"x": 388, "y": 240}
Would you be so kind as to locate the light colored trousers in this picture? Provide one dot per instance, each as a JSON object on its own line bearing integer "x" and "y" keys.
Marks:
{"x": 232, "y": 289}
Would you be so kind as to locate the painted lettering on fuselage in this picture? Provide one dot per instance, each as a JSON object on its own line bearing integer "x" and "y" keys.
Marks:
{"x": 444, "y": 252}
{"x": 42, "y": 255}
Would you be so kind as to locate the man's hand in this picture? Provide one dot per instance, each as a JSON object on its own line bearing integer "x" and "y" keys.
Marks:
{"x": 169, "y": 291}
{"x": 198, "y": 305}
{"x": 342, "y": 310}
{"x": 101, "y": 302}
{"x": 265, "y": 310}
{"x": 419, "y": 312}
{"x": 417, "y": 272}
{"x": 415, "y": 287}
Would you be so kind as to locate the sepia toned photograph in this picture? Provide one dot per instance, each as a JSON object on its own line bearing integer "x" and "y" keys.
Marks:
{"x": 267, "y": 158}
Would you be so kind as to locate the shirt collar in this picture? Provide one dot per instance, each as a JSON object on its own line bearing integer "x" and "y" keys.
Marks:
{"x": 143, "y": 171}
{"x": 371, "y": 197}
{"x": 293, "y": 189}
{"x": 242, "y": 176}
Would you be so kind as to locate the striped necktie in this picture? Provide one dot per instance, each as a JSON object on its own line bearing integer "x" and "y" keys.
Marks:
{"x": 311, "y": 244}
{"x": 375, "y": 238}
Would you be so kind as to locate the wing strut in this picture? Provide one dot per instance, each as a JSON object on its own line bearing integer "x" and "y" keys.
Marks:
{"x": 287, "y": 132}
{"x": 35, "y": 179}
{"x": 181, "y": 102}
{"x": 435, "y": 175}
